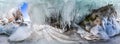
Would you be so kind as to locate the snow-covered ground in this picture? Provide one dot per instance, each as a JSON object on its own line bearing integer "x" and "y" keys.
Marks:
{"x": 4, "y": 40}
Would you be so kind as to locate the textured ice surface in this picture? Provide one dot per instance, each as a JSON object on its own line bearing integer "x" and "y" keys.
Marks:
{"x": 71, "y": 10}
{"x": 39, "y": 9}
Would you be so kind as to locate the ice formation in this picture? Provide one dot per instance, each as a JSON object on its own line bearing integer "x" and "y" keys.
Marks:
{"x": 60, "y": 20}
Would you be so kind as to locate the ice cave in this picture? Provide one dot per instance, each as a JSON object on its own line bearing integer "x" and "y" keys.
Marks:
{"x": 59, "y": 21}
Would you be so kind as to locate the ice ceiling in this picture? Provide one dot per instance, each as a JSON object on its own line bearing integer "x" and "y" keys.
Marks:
{"x": 40, "y": 8}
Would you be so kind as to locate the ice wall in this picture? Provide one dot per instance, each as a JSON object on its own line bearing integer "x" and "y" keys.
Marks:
{"x": 70, "y": 10}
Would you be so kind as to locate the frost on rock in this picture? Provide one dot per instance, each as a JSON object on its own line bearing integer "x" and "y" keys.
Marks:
{"x": 102, "y": 23}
